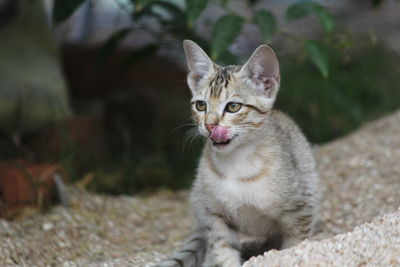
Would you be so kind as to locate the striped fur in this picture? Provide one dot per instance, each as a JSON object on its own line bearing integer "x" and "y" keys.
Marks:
{"x": 191, "y": 254}
{"x": 259, "y": 190}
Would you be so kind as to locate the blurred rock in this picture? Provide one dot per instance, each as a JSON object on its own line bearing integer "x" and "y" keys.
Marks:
{"x": 26, "y": 185}
{"x": 32, "y": 88}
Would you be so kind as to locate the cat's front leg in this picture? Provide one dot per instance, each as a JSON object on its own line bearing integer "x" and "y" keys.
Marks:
{"x": 223, "y": 244}
{"x": 297, "y": 227}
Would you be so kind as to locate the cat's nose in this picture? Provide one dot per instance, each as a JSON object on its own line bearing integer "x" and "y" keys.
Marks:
{"x": 210, "y": 127}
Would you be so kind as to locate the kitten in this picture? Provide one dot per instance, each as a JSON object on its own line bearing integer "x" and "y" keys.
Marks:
{"x": 256, "y": 185}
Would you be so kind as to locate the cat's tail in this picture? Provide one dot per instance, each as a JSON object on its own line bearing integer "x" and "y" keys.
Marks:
{"x": 191, "y": 254}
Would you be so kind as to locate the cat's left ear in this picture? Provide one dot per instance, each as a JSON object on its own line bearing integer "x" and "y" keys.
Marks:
{"x": 261, "y": 72}
{"x": 199, "y": 64}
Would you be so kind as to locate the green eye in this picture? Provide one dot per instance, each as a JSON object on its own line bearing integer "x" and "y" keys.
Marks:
{"x": 201, "y": 105}
{"x": 233, "y": 107}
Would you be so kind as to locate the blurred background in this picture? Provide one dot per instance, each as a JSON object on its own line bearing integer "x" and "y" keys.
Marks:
{"x": 96, "y": 89}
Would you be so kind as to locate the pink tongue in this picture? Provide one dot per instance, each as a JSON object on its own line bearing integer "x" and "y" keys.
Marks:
{"x": 220, "y": 134}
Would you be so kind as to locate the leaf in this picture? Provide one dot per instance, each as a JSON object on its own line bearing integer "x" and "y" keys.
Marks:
{"x": 318, "y": 56}
{"x": 228, "y": 58}
{"x": 267, "y": 24}
{"x": 225, "y": 31}
{"x": 176, "y": 14}
{"x": 194, "y": 9}
{"x": 299, "y": 10}
{"x": 140, "y": 4}
{"x": 304, "y": 8}
{"x": 324, "y": 17}
{"x": 64, "y": 8}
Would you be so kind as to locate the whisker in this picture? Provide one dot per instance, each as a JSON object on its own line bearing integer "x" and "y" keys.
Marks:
{"x": 191, "y": 142}
{"x": 182, "y": 126}
{"x": 190, "y": 136}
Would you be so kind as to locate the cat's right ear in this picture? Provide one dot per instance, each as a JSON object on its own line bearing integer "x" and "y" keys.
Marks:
{"x": 261, "y": 73}
{"x": 199, "y": 64}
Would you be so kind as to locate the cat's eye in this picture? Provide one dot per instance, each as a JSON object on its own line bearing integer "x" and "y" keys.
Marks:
{"x": 233, "y": 107}
{"x": 201, "y": 105}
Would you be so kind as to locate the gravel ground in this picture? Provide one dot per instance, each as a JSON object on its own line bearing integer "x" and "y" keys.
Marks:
{"x": 372, "y": 244}
{"x": 361, "y": 176}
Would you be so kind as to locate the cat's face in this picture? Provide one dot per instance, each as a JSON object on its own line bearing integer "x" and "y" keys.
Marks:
{"x": 230, "y": 103}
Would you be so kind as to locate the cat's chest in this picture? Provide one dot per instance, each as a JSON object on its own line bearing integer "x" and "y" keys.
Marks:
{"x": 238, "y": 166}
{"x": 235, "y": 193}
{"x": 243, "y": 179}
{"x": 251, "y": 207}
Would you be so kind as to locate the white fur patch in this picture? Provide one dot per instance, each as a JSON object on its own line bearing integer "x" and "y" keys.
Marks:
{"x": 233, "y": 191}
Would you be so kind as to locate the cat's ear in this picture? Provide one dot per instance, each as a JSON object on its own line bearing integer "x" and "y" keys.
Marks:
{"x": 261, "y": 72}
{"x": 199, "y": 64}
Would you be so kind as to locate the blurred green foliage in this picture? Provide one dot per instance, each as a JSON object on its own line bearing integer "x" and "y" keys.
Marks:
{"x": 361, "y": 87}
{"x": 180, "y": 23}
